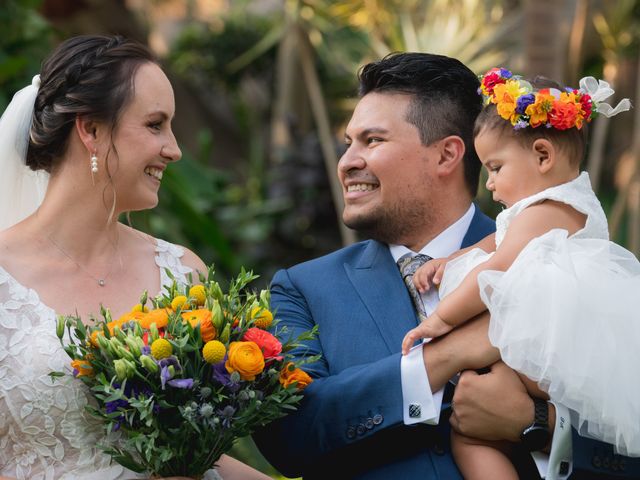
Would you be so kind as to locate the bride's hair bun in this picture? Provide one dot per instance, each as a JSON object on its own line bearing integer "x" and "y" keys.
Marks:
{"x": 89, "y": 75}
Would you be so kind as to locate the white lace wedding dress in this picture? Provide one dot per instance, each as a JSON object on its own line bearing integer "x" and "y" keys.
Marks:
{"x": 45, "y": 432}
{"x": 566, "y": 315}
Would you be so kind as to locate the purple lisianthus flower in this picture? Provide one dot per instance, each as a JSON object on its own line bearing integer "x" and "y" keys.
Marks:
{"x": 220, "y": 374}
{"x": 524, "y": 101}
{"x": 146, "y": 350}
{"x": 185, "y": 383}
{"x": 165, "y": 372}
{"x": 113, "y": 406}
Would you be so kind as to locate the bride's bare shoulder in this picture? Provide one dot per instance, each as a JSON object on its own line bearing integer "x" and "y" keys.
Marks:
{"x": 16, "y": 246}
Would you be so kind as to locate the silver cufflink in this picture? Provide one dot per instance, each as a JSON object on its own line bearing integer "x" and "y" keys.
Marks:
{"x": 414, "y": 410}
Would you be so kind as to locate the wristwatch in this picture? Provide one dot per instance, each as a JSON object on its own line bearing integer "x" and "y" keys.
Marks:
{"x": 536, "y": 436}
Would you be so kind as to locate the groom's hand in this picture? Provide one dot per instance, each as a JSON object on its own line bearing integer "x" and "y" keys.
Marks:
{"x": 491, "y": 406}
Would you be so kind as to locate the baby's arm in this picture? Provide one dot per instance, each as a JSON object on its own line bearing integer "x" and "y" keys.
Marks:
{"x": 464, "y": 302}
{"x": 431, "y": 272}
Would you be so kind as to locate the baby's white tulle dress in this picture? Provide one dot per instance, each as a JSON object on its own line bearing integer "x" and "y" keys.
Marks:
{"x": 565, "y": 314}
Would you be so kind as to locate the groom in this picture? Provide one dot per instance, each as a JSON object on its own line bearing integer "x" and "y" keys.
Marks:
{"x": 409, "y": 176}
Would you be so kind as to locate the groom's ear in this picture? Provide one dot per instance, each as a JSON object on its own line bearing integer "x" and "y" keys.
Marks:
{"x": 88, "y": 132}
{"x": 451, "y": 150}
{"x": 545, "y": 153}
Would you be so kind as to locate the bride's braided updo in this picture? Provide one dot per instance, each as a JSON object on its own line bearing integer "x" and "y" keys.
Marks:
{"x": 90, "y": 75}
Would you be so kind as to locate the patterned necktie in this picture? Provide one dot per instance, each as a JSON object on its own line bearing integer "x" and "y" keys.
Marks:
{"x": 408, "y": 266}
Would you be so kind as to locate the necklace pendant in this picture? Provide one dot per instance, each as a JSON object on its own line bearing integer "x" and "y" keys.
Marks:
{"x": 101, "y": 282}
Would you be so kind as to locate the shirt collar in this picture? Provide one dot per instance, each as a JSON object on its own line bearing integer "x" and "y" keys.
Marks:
{"x": 444, "y": 244}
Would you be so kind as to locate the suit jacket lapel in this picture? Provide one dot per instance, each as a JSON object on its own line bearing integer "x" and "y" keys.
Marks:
{"x": 376, "y": 278}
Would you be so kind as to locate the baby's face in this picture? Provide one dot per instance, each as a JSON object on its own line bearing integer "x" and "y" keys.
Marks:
{"x": 512, "y": 168}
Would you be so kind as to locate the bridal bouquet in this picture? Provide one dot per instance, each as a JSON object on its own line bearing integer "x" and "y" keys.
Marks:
{"x": 187, "y": 375}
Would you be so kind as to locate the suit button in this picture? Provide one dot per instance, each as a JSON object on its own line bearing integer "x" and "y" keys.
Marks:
{"x": 361, "y": 429}
{"x": 615, "y": 465}
{"x": 351, "y": 432}
{"x": 596, "y": 461}
{"x": 377, "y": 419}
{"x": 369, "y": 423}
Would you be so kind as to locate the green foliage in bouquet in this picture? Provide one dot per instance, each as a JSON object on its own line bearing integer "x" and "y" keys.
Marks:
{"x": 184, "y": 379}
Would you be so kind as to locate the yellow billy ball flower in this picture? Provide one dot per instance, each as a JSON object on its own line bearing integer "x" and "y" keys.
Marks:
{"x": 139, "y": 308}
{"x": 262, "y": 318}
{"x": 178, "y": 302}
{"x": 161, "y": 348}
{"x": 198, "y": 292}
{"x": 214, "y": 351}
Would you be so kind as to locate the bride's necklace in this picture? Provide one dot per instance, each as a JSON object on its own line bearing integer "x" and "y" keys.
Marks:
{"x": 102, "y": 281}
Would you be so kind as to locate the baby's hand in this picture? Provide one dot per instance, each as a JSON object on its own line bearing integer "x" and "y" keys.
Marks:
{"x": 429, "y": 274}
{"x": 432, "y": 327}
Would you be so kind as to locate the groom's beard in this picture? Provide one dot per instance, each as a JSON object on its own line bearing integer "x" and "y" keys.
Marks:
{"x": 392, "y": 224}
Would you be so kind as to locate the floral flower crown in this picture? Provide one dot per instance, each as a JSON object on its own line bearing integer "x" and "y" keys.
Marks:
{"x": 517, "y": 101}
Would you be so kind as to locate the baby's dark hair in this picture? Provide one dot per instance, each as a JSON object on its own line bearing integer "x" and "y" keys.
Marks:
{"x": 444, "y": 100}
{"x": 572, "y": 141}
{"x": 90, "y": 75}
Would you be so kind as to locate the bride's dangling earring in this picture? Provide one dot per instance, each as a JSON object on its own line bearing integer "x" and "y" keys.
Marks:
{"x": 94, "y": 167}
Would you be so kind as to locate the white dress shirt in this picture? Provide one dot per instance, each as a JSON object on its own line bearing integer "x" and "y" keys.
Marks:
{"x": 415, "y": 378}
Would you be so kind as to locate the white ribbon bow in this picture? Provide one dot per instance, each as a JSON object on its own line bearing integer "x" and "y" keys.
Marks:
{"x": 600, "y": 90}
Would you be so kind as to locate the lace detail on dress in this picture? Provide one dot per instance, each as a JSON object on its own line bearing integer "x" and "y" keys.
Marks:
{"x": 576, "y": 193}
{"x": 45, "y": 431}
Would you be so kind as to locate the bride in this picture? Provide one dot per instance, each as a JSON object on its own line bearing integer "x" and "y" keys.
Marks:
{"x": 88, "y": 140}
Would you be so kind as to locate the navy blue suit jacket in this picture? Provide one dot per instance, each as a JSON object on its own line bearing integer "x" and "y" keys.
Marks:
{"x": 352, "y": 413}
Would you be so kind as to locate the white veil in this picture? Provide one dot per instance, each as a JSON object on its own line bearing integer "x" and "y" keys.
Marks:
{"x": 21, "y": 189}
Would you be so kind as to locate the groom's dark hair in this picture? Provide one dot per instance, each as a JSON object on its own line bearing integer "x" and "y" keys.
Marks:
{"x": 445, "y": 99}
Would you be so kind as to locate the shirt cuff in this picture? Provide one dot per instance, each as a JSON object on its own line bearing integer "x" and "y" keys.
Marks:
{"x": 419, "y": 404}
{"x": 558, "y": 464}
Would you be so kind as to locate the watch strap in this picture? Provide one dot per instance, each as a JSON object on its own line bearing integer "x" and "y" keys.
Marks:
{"x": 541, "y": 412}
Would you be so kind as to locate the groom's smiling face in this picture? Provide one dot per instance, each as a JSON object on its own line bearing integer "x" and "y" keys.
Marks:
{"x": 386, "y": 171}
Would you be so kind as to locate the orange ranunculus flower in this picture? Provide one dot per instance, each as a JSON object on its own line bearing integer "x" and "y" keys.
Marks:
{"x": 270, "y": 345}
{"x": 81, "y": 368}
{"x": 245, "y": 358}
{"x": 201, "y": 316}
{"x": 127, "y": 317}
{"x": 288, "y": 375}
{"x": 159, "y": 316}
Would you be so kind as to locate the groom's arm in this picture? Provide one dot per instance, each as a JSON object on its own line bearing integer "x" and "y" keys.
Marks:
{"x": 497, "y": 406}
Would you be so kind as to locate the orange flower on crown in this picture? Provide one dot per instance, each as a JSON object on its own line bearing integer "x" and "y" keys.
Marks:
{"x": 538, "y": 111}
{"x": 505, "y": 97}
{"x": 564, "y": 114}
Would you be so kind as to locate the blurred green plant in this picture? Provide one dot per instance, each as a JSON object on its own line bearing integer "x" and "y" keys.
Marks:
{"x": 23, "y": 43}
